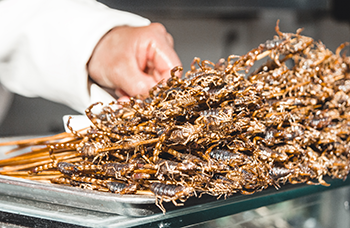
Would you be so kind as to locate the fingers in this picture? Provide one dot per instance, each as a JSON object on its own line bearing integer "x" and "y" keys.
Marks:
{"x": 131, "y": 60}
{"x": 137, "y": 82}
{"x": 155, "y": 57}
{"x": 170, "y": 39}
{"x": 123, "y": 99}
{"x": 161, "y": 53}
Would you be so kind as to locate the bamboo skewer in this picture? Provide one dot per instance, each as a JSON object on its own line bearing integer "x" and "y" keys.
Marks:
{"x": 25, "y": 173}
{"x": 33, "y": 157}
{"x": 72, "y": 158}
{"x": 67, "y": 136}
{"x": 128, "y": 146}
{"x": 46, "y": 179}
{"x": 39, "y": 140}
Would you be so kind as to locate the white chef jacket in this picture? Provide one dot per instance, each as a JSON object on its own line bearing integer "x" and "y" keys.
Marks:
{"x": 45, "y": 45}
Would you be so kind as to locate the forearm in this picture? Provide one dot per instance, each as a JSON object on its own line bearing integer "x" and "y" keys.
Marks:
{"x": 47, "y": 43}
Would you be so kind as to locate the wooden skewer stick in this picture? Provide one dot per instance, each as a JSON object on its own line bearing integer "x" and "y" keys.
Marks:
{"x": 25, "y": 173}
{"x": 144, "y": 192}
{"x": 71, "y": 158}
{"x": 38, "y": 178}
{"x": 33, "y": 141}
{"x": 23, "y": 158}
{"x": 129, "y": 145}
{"x": 42, "y": 147}
{"x": 34, "y": 157}
{"x": 36, "y": 141}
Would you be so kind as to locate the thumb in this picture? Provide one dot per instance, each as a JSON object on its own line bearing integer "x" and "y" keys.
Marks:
{"x": 162, "y": 59}
{"x": 135, "y": 81}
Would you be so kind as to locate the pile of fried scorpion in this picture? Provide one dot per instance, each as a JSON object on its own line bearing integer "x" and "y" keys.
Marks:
{"x": 219, "y": 129}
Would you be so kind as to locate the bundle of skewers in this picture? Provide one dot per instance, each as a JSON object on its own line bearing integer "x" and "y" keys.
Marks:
{"x": 224, "y": 128}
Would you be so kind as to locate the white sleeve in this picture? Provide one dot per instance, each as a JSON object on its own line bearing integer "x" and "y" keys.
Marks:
{"x": 45, "y": 45}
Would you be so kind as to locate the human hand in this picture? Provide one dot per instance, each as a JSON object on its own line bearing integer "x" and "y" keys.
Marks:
{"x": 131, "y": 60}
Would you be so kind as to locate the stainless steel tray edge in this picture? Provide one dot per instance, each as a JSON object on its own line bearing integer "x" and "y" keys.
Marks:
{"x": 129, "y": 205}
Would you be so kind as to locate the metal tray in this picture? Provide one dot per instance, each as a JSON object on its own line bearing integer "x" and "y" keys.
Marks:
{"x": 129, "y": 205}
